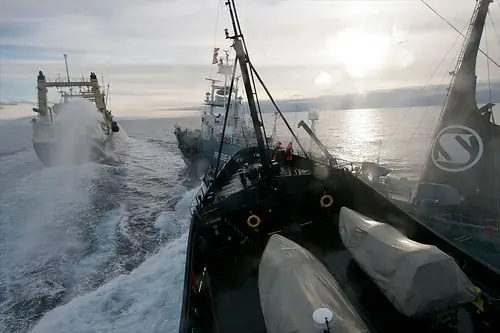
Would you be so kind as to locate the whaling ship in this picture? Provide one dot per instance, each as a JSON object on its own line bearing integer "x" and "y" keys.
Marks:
{"x": 223, "y": 128}
{"x": 47, "y": 142}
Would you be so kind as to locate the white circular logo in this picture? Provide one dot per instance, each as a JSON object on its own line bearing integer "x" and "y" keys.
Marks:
{"x": 457, "y": 148}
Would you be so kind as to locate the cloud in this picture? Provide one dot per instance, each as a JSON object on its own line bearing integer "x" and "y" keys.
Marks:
{"x": 15, "y": 108}
{"x": 13, "y": 103}
{"x": 8, "y": 103}
{"x": 155, "y": 54}
{"x": 12, "y": 111}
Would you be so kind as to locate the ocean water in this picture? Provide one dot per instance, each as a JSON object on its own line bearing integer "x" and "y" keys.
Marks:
{"x": 95, "y": 248}
{"x": 66, "y": 231}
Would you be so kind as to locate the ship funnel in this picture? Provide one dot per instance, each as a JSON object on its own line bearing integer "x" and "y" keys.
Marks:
{"x": 323, "y": 319}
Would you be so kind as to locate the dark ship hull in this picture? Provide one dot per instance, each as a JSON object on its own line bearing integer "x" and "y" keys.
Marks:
{"x": 200, "y": 153}
{"x": 301, "y": 245}
{"x": 221, "y": 292}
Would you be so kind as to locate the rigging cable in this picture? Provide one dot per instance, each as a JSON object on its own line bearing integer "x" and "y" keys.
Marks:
{"x": 454, "y": 28}
{"x": 284, "y": 88}
{"x": 493, "y": 25}
{"x": 457, "y": 66}
{"x": 440, "y": 83}
{"x": 288, "y": 93}
{"x": 226, "y": 116}
{"x": 458, "y": 63}
{"x": 396, "y": 127}
{"x": 487, "y": 64}
{"x": 277, "y": 108}
{"x": 251, "y": 74}
{"x": 297, "y": 109}
{"x": 453, "y": 63}
{"x": 427, "y": 84}
{"x": 492, "y": 117}
{"x": 295, "y": 118}
{"x": 216, "y": 25}
{"x": 254, "y": 72}
{"x": 424, "y": 115}
{"x": 498, "y": 39}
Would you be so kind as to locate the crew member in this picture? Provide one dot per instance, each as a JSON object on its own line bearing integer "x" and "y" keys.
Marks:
{"x": 289, "y": 151}
{"x": 277, "y": 148}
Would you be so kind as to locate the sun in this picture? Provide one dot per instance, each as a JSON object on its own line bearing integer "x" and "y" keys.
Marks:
{"x": 359, "y": 51}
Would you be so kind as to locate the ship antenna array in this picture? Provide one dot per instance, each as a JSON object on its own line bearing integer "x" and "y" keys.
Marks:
{"x": 67, "y": 72}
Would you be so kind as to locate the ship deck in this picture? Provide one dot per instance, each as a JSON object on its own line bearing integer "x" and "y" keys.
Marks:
{"x": 230, "y": 250}
{"x": 234, "y": 185}
{"x": 237, "y": 299}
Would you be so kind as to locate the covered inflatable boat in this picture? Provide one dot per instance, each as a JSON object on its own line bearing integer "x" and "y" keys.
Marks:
{"x": 417, "y": 279}
{"x": 293, "y": 284}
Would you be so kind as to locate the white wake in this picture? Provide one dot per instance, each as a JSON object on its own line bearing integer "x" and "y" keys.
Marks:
{"x": 79, "y": 134}
{"x": 146, "y": 300}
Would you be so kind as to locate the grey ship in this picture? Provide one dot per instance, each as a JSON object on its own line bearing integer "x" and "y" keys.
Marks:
{"x": 47, "y": 141}
{"x": 201, "y": 147}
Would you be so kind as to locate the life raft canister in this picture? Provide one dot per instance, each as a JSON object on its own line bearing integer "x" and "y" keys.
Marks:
{"x": 326, "y": 201}
{"x": 253, "y": 221}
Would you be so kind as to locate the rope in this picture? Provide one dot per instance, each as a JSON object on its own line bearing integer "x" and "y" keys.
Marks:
{"x": 287, "y": 91}
{"x": 251, "y": 74}
{"x": 276, "y": 107}
{"x": 424, "y": 115}
{"x": 498, "y": 39}
{"x": 454, "y": 28}
{"x": 216, "y": 27}
{"x": 493, "y": 25}
{"x": 423, "y": 89}
{"x": 295, "y": 119}
{"x": 487, "y": 63}
{"x": 440, "y": 83}
{"x": 217, "y": 22}
{"x": 225, "y": 118}
{"x": 495, "y": 159}
{"x": 440, "y": 113}
{"x": 215, "y": 36}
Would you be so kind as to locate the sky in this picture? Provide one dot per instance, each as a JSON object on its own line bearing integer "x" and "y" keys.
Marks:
{"x": 155, "y": 54}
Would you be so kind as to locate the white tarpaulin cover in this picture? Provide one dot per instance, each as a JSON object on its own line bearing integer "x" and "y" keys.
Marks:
{"x": 418, "y": 279}
{"x": 293, "y": 283}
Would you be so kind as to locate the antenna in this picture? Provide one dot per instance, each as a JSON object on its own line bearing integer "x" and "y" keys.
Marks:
{"x": 323, "y": 319}
{"x": 67, "y": 72}
{"x": 107, "y": 95}
{"x": 66, "y": 63}
{"x": 242, "y": 59}
{"x": 213, "y": 80}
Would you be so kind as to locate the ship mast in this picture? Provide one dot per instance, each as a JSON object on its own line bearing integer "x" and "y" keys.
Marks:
{"x": 242, "y": 58}
{"x": 464, "y": 164}
{"x": 67, "y": 72}
{"x": 462, "y": 90}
